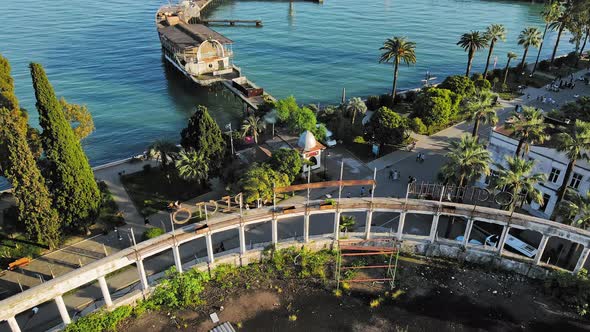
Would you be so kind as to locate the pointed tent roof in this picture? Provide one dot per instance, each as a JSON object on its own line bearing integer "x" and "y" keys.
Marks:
{"x": 307, "y": 141}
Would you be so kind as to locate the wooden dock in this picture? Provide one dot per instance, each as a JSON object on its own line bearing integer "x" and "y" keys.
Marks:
{"x": 252, "y": 102}
{"x": 257, "y": 23}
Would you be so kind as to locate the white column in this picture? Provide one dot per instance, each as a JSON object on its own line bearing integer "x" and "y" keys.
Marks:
{"x": 13, "y": 324}
{"x": 242, "y": 236}
{"x": 468, "y": 229}
{"x": 368, "y": 222}
{"x": 336, "y": 225}
{"x": 209, "y": 242}
{"x": 275, "y": 231}
{"x": 541, "y": 249}
{"x": 104, "y": 288}
{"x": 503, "y": 238}
{"x": 177, "y": 260}
{"x": 582, "y": 260}
{"x": 306, "y": 228}
{"x": 142, "y": 275}
{"x": 63, "y": 311}
{"x": 434, "y": 227}
{"x": 400, "y": 225}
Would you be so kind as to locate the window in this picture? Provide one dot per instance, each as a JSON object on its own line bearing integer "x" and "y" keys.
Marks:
{"x": 575, "y": 181}
{"x": 490, "y": 178}
{"x": 554, "y": 175}
{"x": 546, "y": 198}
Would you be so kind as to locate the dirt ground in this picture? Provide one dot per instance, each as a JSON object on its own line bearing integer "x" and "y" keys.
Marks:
{"x": 436, "y": 295}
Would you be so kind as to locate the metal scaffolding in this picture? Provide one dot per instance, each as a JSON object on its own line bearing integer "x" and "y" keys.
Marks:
{"x": 374, "y": 247}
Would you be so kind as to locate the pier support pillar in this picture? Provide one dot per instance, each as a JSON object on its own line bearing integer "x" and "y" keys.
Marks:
{"x": 63, "y": 311}
{"x": 306, "y": 228}
{"x": 368, "y": 222}
{"x": 582, "y": 260}
{"x": 177, "y": 260}
{"x": 336, "y": 225}
{"x": 468, "y": 229}
{"x": 275, "y": 231}
{"x": 400, "y": 225}
{"x": 541, "y": 249}
{"x": 104, "y": 288}
{"x": 434, "y": 227}
{"x": 209, "y": 243}
{"x": 142, "y": 275}
{"x": 13, "y": 324}
{"x": 242, "y": 236}
{"x": 503, "y": 238}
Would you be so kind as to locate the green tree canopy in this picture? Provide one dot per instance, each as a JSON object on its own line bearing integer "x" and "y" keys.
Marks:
{"x": 574, "y": 209}
{"x": 356, "y": 105}
{"x": 466, "y": 161}
{"x": 460, "y": 85}
{"x": 528, "y": 128}
{"x": 164, "y": 151}
{"x": 79, "y": 117}
{"x": 33, "y": 201}
{"x": 396, "y": 50}
{"x": 472, "y": 42}
{"x": 387, "y": 127}
{"x": 258, "y": 183}
{"x": 253, "y": 125}
{"x": 436, "y": 106}
{"x": 192, "y": 166}
{"x": 519, "y": 178}
{"x": 75, "y": 192}
{"x": 287, "y": 161}
{"x": 204, "y": 136}
{"x": 302, "y": 119}
{"x": 285, "y": 107}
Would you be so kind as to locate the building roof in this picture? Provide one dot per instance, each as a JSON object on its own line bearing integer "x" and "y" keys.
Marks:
{"x": 255, "y": 154}
{"x": 191, "y": 35}
{"x": 307, "y": 141}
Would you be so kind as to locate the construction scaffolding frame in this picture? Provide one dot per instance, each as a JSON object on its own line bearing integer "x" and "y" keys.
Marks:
{"x": 373, "y": 247}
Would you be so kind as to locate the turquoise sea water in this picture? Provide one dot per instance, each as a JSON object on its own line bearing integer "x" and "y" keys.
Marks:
{"x": 106, "y": 54}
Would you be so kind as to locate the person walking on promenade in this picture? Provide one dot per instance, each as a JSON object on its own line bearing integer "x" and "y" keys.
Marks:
{"x": 395, "y": 175}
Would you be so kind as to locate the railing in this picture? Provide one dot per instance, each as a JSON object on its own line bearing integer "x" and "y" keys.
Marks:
{"x": 55, "y": 288}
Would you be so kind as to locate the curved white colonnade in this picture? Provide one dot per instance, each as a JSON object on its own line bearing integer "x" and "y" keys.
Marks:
{"x": 54, "y": 289}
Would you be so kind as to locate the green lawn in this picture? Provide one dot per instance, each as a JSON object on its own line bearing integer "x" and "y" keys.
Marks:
{"x": 153, "y": 190}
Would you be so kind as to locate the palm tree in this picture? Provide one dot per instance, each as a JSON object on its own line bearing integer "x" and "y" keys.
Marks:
{"x": 192, "y": 166}
{"x": 163, "y": 151}
{"x": 397, "y": 49}
{"x": 517, "y": 176}
{"x": 550, "y": 14}
{"x": 356, "y": 105}
{"x": 528, "y": 128}
{"x": 559, "y": 24}
{"x": 466, "y": 160}
{"x": 253, "y": 125}
{"x": 511, "y": 56}
{"x": 528, "y": 37}
{"x": 472, "y": 42}
{"x": 575, "y": 142}
{"x": 575, "y": 208}
{"x": 493, "y": 33}
{"x": 481, "y": 110}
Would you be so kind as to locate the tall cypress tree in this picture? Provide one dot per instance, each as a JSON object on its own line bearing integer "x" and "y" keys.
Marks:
{"x": 34, "y": 205}
{"x": 204, "y": 136}
{"x": 71, "y": 181}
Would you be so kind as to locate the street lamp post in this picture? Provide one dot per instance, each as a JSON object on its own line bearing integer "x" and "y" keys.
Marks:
{"x": 231, "y": 138}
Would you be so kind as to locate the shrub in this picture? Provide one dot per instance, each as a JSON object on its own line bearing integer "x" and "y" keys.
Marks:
{"x": 100, "y": 320}
{"x": 544, "y": 65}
{"x": 460, "y": 85}
{"x": 373, "y": 103}
{"x": 375, "y": 302}
{"x": 418, "y": 126}
{"x": 338, "y": 292}
{"x": 152, "y": 233}
{"x": 347, "y": 223}
{"x": 572, "y": 290}
{"x": 411, "y": 96}
{"x": 482, "y": 84}
{"x": 436, "y": 106}
{"x": 359, "y": 140}
{"x": 225, "y": 274}
{"x": 292, "y": 318}
{"x": 180, "y": 290}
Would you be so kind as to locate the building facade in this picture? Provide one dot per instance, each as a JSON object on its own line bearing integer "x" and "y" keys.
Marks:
{"x": 548, "y": 161}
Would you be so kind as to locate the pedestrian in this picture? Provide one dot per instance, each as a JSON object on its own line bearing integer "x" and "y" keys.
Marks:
{"x": 418, "y": 157}
{"x": 146, "y": 221}
{"x": 362, "y": 191}
{"x": 422, "y": 156}
{"x": 348, "y": 194}
{"x": 410, "y": 179}
{"x": 391, "y": 174}
{"x": 396, "y": 175}
{"x": 370, "y": 191}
